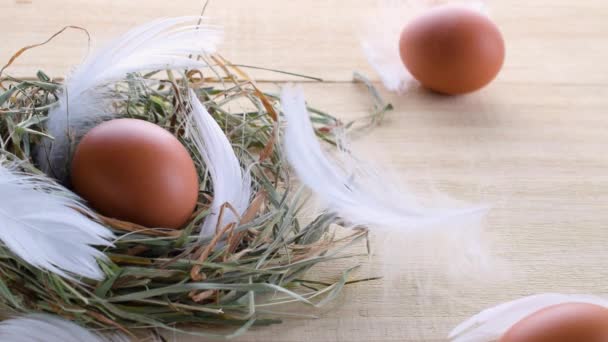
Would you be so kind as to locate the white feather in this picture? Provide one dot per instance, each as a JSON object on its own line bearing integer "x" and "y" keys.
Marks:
{"x": 380, "y": 41}
{"x": 231, "y": 184}
{"x": 490, "y": 324}
{"x": 158, "y": 45}
{"x": 47, "y": 328}
{"x": 42, "y": 223}
{"x": 427, "y": 238}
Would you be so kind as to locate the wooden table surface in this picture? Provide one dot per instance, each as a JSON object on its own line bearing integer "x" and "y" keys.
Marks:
{"x": 533, "y": 145}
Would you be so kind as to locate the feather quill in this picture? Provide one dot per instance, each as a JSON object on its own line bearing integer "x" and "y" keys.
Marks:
{"x": 45, "y": 225}
{"x": 231, "y": 184}
{"x": 84, "y": 101}
{"x": 47, "y": 328}
{"x": 380, "y": 41}
{"x": 490, "y": 324}
{"x": 452, "y": 238}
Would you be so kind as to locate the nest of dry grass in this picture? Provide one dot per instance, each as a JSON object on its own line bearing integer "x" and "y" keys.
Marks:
{"x": 166, "y": 279}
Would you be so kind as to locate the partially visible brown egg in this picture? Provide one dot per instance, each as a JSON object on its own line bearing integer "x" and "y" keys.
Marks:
{"x": 571, "y": 322}
{"x": 136, "y": 171}
{"x": 452, "y": 49}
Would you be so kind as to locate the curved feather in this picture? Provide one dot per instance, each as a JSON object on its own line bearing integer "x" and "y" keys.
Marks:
{"x": 490, "y": 324}
{"x": 45, "y": 225}
{"x": 47, "y": 328}
{"x": 231, "y": 184}
{"x": 158, "y": 45}
{"x": 449, "y": 241}
{"x": 380, "y": 41}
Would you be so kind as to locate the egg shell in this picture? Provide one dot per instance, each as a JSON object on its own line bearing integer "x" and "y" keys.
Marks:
{"x": 452, "y": 49}
{"x": 136, "y": 171}
{"x": 570, "y": 322}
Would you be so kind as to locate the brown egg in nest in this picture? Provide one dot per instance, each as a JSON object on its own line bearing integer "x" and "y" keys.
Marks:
{"x": 570, "y": 322}
{"x": 136, "y": 171}
{"x": 452, "y": 49}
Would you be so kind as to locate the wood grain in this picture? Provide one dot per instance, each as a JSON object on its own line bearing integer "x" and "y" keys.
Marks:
{"x": 532, "y": 145}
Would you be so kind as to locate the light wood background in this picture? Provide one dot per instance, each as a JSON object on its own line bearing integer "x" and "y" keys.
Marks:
{"x": 533, "y": 144}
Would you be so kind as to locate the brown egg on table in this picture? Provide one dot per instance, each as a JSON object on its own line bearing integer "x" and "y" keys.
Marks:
{"x": 569, "y": 322}
{"x": 452, "y": 49}
{"x": 136, "y": 171}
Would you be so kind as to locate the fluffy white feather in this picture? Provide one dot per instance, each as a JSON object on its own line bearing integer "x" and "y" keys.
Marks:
{"x": 380, "y": 42}
{"x": 158, "y": 45}
{"x": 426, "y": 238}
{"x": 231, "y": 184}
{"x": 47, "y": 328}
{"x": 42, "y": 223}
{"x": 490, "y": 324}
